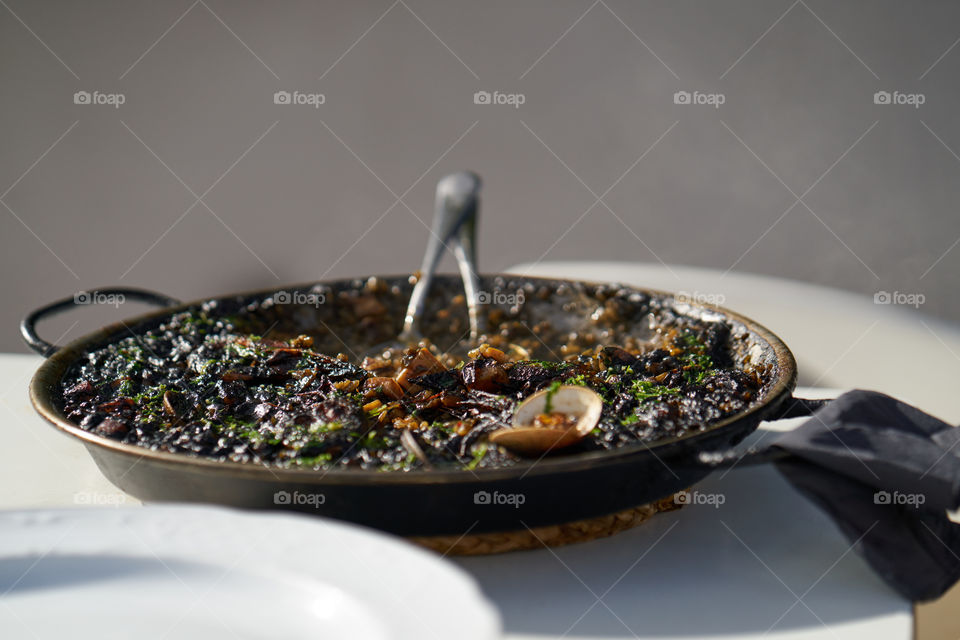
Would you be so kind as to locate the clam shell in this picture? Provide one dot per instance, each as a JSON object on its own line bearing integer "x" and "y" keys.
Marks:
{"x": 526, "y": 439}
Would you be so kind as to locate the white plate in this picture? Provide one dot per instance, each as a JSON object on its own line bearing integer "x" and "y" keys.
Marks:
{"x": 202, "y": 572}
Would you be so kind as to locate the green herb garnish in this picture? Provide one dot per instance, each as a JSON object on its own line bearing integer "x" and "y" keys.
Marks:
{"x": 551, "y": 391}
{"x": 579, "y": 380}
{"x": 478, "y": 455}
{"x": 644, "y": 390}
{"x": 695, "y": 362}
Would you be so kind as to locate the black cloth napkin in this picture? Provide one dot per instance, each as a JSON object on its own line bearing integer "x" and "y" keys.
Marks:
{"x": 886, "y": 473}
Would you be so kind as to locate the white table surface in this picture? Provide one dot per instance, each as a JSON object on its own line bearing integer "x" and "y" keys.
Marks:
{"x": 764, "y": 562}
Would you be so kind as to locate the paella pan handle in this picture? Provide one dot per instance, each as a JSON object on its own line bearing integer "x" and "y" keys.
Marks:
{"x": 796, "y": 408}
{"x": 729, "y": 458}
{"x": 114, "y": 295}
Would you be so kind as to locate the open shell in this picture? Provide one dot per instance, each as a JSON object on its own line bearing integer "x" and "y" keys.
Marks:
{"x": 522, "y": 437}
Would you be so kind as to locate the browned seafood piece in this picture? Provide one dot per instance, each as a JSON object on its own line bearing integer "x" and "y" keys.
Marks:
{"x": 386, "y": 386}
{"x": 485, "y": 374}
{"x": 422, "y": 363}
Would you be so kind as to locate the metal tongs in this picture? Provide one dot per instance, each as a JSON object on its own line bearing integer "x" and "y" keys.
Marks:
{"x": 454, "y": 226}
{"x": 454, "y": 223}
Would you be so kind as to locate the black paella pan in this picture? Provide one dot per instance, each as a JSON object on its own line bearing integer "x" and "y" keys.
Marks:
{"x": 556, "y": 489}
{"x": 553, "y": 489}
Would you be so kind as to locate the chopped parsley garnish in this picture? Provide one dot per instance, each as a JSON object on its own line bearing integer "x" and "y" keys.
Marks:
{"x": 478, "y": 455}
{"x": 551, "y": 391}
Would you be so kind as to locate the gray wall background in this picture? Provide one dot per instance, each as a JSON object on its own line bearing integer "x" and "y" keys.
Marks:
{"x": 97, "y": 195}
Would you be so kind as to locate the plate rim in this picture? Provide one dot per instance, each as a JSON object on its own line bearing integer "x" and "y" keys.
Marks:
{"x": 458, "y": 587}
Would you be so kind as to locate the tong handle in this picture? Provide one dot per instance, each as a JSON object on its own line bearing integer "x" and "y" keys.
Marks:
{"x": 455, "y": 220}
